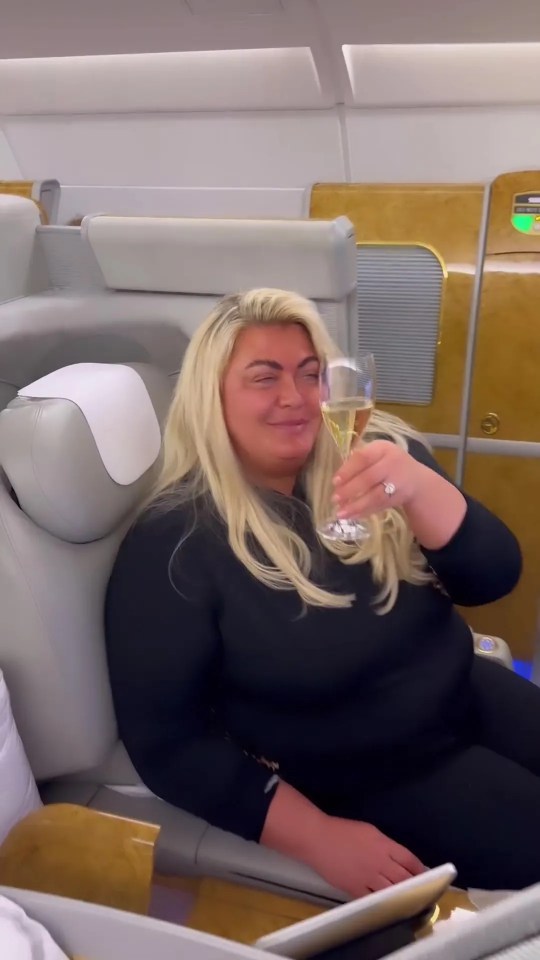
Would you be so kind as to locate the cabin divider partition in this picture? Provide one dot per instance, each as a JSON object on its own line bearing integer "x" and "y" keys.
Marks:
{"x": 478, "y": 398}
{"x": 44, "y": 193}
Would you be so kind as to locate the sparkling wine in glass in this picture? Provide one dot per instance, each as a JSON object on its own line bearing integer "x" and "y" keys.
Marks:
{"x": 347, "y": 391}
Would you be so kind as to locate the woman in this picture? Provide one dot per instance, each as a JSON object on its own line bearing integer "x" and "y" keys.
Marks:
{"x": 321, "y": 699}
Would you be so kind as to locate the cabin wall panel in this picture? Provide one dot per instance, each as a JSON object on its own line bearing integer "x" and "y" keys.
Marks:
{"x": 9, "y": 168}
{"x": 432, "y": 145}
{"x": 274, "y": 149}
{"x": 278, "y": 150}
{"x": 183, "y": 202}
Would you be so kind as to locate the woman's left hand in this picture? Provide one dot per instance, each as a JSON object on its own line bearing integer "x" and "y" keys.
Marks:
{"x": 377, "y": 476}
{"x": 380, "y": 475}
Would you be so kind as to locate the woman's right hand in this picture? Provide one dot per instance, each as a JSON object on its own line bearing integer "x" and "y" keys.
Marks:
{"x": 358, "y": 859}
{"x": 352, "y": 856}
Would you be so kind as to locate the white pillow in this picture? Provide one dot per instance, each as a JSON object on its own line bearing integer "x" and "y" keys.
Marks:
{"x": 21, "y": 938}
{"x": 18, "y": 791}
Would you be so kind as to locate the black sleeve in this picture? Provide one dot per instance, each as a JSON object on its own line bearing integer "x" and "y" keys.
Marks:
{"x": 482, "y": 561}
{"x": 163, "y": 648}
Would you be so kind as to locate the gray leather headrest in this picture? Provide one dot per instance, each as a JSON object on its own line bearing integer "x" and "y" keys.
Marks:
{"x": 80, "y": 446}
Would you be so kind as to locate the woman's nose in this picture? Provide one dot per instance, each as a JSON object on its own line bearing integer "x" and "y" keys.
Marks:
{"x": 289, "y": 394}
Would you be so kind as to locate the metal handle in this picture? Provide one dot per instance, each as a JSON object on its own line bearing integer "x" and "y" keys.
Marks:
{"x": 490, "y": 424}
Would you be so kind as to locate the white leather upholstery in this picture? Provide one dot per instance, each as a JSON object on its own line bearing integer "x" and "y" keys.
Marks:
{"x": 199, "y": 261}
{"x": 171, "y": 255}
{"x": 101, "y": 933}
{"x": 18, "y": 791}
{"x": 111, "y": 397}
{"x": 18, "y": 221}
{"x": 51, "y": 455}
{"x": 57, "y": 547}
{"x": 56, "y": 328}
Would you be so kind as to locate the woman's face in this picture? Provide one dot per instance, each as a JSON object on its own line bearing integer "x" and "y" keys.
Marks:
{"x": 271, "y": 402}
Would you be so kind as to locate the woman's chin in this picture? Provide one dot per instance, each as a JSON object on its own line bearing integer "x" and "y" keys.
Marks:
{"x": 294, "y": 452}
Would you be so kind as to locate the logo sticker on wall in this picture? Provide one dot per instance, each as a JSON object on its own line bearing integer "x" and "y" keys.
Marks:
{"x": 526, "y": 213}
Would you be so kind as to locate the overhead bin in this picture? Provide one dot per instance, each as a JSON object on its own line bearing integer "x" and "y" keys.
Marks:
{"x": 267, "y": 78}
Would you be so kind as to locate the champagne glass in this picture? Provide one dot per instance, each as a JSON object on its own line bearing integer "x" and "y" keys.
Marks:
{"x": 347, "y": 396}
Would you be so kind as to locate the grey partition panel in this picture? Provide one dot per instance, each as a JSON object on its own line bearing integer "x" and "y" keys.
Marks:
{"x": 70, "y": 261}
{"x": 400, "y": 290}
{"x": 99, "y": 933}
{"x": 49, "y": 197}
{"x": 337, "y": 317}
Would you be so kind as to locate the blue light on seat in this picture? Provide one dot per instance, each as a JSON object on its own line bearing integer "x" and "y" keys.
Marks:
{"x": 523, "y": 668}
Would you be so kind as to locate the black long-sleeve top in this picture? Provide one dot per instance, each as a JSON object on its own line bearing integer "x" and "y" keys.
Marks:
{"x": 212, "y": 671}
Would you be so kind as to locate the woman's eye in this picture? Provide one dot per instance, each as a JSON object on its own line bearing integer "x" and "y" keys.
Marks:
{"x": 265, "y": 380}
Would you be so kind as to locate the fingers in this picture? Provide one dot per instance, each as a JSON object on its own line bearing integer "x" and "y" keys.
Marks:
{"x": 362, "y": 506}
{"x": 365, "y": 486}
{"x": 359, "y": 483}
{"x": 379, "y": 883}
{"x": 406, "y": 859}
{"x": 361, "y": 459}
{"x": 395, "y": 873}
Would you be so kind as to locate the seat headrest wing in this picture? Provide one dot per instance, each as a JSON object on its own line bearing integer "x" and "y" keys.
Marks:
{"x": 79, "y": 446}
{"x": 112, "y": 398}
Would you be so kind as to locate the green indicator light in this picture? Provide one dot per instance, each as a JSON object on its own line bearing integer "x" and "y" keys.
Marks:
{"x": 523, "y": 222}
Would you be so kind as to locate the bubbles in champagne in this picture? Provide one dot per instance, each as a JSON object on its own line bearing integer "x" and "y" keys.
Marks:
{"x": 346, "y": 420}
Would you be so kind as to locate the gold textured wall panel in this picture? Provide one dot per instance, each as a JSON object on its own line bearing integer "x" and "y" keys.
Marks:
{"x": 19, "y": 188}
{"x": 447, "y": 459}
{"x": 510, "y": 486}
{"x": 445, "y": 217}
{"x": 507, "y": 362}
{"x": 506, "y": 384}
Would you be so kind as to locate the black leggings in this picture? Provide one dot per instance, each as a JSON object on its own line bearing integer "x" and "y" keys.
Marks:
{"x": 479, "y": 807}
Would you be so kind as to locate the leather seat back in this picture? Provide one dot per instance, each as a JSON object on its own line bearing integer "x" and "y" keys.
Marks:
{"x": 78, "y": 450}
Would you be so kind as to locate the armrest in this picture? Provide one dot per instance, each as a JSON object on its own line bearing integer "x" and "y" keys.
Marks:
{"x": 83, "y": 854}
{"x": 493, "y": 648}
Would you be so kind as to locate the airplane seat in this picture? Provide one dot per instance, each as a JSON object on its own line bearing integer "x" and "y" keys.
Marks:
{"x": 78, "y": 449}
{"x": 134, "y": 289}
{"x": 19, "y": 218}
{"x": 149, "y": 284}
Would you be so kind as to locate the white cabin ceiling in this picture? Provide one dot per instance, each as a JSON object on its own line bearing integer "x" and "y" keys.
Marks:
{"x": 34, "y": 28}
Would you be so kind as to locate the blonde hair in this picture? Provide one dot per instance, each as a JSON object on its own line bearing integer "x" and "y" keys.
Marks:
{"x": 199, "y": 460}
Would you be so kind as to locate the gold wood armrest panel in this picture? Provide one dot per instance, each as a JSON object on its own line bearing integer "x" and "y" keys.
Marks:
{"x": 74, "y": 852}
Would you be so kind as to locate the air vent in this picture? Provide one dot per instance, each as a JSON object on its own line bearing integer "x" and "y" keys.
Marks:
{"x": 400, "y": 291}
{"x": 234, "y": 8}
